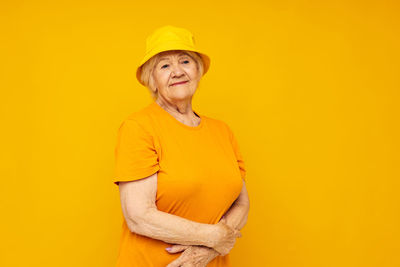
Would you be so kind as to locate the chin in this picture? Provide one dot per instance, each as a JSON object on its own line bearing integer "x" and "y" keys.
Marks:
{"x": 181, "y": 97}
{"x": 182, "y": 94}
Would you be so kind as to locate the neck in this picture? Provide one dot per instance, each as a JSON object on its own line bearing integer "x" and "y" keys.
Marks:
{"x": 181, "y": 110}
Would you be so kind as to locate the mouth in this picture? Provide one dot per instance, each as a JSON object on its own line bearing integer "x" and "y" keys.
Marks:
{"x": 178, "y": 83}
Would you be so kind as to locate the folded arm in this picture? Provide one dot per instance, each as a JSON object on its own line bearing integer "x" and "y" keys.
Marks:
{"x": 142, "y": 217}
{"x": 236, "y": 216}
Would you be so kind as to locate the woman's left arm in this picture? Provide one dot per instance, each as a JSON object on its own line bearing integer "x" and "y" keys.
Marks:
{"x": 235, "y": 217}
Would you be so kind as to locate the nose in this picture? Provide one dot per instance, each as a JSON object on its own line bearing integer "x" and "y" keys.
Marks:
{"x": 176, "y": 70}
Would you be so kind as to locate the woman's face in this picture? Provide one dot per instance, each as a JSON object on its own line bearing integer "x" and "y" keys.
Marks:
{"x": 175, "y": 75}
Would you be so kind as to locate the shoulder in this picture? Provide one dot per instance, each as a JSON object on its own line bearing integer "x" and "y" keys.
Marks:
{"x": 218, "y": 125}
{"x": 140, "y": 115}
{"x": 215, "y": 122}
{"x": 141, "y": 119}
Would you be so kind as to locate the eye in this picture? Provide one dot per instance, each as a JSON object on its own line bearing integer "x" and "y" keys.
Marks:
{"x": 186, "y": 61}
{"x": 165, "y": 65}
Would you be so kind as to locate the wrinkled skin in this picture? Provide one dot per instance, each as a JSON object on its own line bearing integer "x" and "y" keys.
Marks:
{"x": 192, "y": 256}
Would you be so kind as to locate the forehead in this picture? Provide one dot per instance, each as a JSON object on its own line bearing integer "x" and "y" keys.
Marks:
{"x": 169, "y": 54}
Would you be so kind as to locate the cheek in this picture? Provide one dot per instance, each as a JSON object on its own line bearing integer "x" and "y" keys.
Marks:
{"x": 193, "y": 72}
{"x": 161, "y": 78}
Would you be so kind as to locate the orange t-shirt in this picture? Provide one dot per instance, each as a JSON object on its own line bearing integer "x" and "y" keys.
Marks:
{"x": 200, "y": 174}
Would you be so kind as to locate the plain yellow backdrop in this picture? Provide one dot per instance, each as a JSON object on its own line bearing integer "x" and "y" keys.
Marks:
{"x": 310, "y": 88}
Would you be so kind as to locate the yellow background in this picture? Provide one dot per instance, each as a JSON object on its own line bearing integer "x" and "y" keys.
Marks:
{"x": 310, "y": 88}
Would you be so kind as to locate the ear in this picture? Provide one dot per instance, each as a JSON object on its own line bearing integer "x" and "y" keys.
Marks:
{"x": 152, "y": 84}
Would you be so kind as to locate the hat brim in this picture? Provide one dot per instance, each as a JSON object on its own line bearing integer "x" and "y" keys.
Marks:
{"x": 168, "y": 47}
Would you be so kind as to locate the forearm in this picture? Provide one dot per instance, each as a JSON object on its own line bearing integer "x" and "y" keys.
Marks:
{"x": 236, "y": 216}
{"x": 173, "y": 229}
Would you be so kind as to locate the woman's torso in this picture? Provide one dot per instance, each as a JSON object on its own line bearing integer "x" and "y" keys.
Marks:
{"x": 198, "y": 180}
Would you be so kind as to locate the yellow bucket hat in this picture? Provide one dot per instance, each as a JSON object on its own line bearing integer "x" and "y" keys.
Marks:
{"x": 169, "y": 38}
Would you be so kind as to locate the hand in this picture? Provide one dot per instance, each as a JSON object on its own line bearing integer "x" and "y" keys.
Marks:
{"x": 192, "y": 256}
{"x": 226, "y": 238}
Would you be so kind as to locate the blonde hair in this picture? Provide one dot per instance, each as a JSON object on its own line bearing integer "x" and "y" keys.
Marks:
{"x": 147, "y": 70}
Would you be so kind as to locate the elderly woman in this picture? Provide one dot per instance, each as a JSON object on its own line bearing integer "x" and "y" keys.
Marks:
{"x": 180, "y": 173}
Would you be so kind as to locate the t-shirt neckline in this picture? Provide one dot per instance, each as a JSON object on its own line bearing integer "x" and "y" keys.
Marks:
{"x": 167, "y": 114}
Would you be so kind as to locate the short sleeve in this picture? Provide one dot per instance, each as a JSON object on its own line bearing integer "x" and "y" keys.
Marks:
{"x": 135, "y": 154}
{"x": 238, "y": 155}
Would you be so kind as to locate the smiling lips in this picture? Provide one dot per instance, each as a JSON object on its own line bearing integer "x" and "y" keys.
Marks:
{"x": 179, "y": 83}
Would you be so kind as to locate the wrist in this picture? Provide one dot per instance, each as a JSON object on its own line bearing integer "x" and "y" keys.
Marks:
{"x": 218, "y": 234}
{"x": 212, "y": 234}
{"x": 229, "y": 223}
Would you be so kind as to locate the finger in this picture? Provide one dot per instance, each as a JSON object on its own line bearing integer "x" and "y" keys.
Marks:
{"x": 176, "y": 263}
{"x": 221, "y": 251}
{"x": 176, "y": 248}
{"x": 238, "y": 234}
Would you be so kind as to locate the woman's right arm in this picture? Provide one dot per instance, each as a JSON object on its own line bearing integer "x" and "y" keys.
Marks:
{"x": 142, "y": 216}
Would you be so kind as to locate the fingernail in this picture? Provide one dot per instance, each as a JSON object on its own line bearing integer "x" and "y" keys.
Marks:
{"x": 168, "y": 249}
